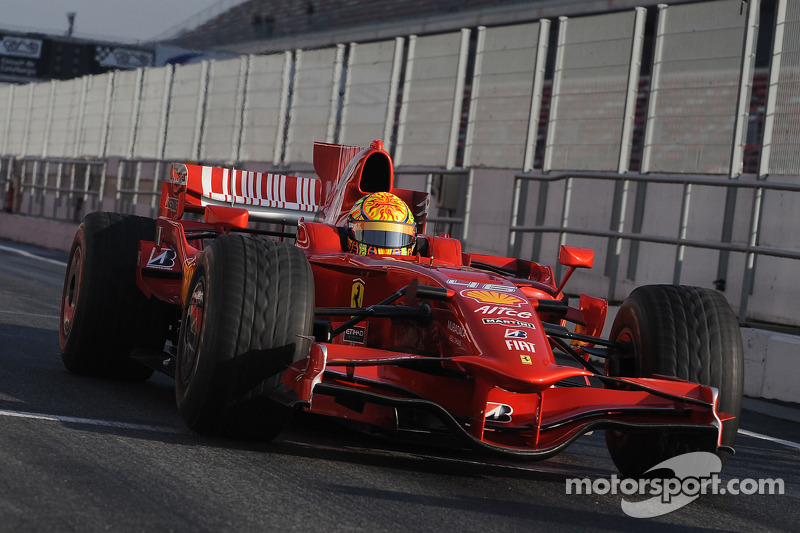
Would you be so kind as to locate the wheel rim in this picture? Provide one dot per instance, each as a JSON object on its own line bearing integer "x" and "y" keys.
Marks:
{"x": 192, "y": 332}
{"x": 72, "y": 288}
{"x": 625, "y": 337}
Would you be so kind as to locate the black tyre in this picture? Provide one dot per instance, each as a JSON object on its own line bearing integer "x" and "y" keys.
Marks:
{"x": 687, "y": 332}
{"x": 104, "y": 315}
{"x": 250, "y": 302}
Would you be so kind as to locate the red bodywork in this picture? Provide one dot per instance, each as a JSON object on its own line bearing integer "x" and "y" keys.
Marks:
{"x": 480, "y": 362}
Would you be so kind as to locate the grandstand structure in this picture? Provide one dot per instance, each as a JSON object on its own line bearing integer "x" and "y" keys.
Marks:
{"x": 662, "y": 136}
{"x": 261, "y": 26}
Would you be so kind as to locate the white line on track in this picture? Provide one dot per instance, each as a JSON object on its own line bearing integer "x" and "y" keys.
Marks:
{"x": 90, "y": 422}
{"x": 788, "y": 443}
{"x": 32, "y": 256}
{"x": 37, "y": 315}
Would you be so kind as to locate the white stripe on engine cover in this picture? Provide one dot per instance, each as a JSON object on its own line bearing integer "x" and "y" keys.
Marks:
{"x": 206, "y": 180}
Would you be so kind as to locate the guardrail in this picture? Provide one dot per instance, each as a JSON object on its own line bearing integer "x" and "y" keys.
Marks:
{"x": 67, "y": 183}
{"x": 616, "y": 220}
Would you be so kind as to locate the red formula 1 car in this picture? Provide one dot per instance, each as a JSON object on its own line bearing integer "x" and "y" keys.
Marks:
{"x": 255, "y": 324}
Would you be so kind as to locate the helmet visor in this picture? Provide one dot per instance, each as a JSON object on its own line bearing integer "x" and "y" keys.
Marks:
{"x": 382, "y": 234}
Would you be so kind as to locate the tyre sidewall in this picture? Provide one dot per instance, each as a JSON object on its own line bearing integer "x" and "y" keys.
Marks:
{"x": 69, "y": 341}
{"x": 192, "y": 386}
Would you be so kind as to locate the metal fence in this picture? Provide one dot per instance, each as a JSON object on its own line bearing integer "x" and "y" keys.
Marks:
{"x": 58, "y": 188}
{"x": 750, "y": 249}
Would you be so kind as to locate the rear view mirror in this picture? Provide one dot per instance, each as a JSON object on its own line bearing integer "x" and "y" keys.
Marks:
{"x": 572, "y": 256}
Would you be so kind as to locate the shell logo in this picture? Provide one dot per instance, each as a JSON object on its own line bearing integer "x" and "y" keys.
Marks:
{"x": 492, "y": 297}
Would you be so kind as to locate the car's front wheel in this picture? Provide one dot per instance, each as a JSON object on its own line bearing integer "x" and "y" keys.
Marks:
{"x": 248, "y": 317}
{"x": 687, "y": 332}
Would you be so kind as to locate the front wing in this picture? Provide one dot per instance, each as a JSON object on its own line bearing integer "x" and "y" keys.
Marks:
{"x": 535, "y": 419}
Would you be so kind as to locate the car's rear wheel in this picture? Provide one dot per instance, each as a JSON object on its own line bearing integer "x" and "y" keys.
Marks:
{"x": 687, "y": 332}
{"x": 248, "y": 316}
{"x": 104, "y": 316}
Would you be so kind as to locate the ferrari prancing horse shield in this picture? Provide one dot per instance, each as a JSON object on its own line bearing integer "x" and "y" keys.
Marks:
{"x": 357, "y": 293}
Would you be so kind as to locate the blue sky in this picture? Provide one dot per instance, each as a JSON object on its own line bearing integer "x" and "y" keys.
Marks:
{"x": 122, "y": 20}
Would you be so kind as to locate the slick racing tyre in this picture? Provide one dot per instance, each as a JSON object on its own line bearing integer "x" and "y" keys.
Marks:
{"x": 104, "y": 316}
{"x": 249, "y": 312}
{"x": 687, "y": 332}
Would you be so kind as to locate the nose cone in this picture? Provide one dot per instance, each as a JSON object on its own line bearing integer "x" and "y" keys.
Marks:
{"x": 508, "y": 336}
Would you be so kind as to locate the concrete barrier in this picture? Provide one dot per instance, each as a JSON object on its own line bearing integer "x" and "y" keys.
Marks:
{"x": 44, "y": 232}
{"x": 771, "y": 365}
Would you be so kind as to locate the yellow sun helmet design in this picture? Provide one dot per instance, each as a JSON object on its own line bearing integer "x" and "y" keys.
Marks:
{"x": 380, "y": 223}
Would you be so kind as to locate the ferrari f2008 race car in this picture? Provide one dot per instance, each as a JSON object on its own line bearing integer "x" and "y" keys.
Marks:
{"x": 359, "y": 314}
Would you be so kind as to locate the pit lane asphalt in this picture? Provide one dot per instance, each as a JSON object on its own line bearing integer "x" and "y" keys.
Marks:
{"x": 81, "y": 454}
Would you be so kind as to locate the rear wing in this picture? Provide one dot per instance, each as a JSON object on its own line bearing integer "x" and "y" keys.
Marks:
{"x": 266, "y": 196}
{"x": 344, "y": 174}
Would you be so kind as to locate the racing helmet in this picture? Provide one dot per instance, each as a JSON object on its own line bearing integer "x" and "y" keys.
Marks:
{"x": 380, "y": 223}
